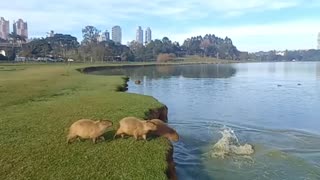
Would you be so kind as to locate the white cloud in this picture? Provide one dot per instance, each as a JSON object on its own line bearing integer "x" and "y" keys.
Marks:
{"x": 69, "y": 16}
{"x": 231, "y": 8}
{"x": 286, "y": 35}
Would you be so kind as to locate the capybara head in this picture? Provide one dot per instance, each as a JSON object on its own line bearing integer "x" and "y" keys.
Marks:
{"x": 173, "y": 136}
{"x": 105, "y": 123}
{"x": 150, "y": 126}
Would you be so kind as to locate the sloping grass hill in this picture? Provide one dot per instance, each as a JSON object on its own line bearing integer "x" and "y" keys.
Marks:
{"x": 37, "y": 105}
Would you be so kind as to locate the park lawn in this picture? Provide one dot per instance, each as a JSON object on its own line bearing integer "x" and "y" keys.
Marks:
{"x": 37, "y": 105}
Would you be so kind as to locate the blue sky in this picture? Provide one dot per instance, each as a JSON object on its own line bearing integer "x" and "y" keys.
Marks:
{"x": 253, "y": 25}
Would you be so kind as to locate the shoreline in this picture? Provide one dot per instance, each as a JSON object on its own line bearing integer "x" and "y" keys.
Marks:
{"x": 154, "y": 113}
{"x": 40, "y": 103}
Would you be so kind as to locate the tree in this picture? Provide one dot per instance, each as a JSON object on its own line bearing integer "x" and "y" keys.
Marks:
{"x": 165, "y": 57}
{"x": 167, "y": 46}
{"x": 3, "y": 58}
{"x": 210, "y": 45}
{"x": 205, "y": 44}
{"x": 127, "y": 56}
{"x": 138, "y": 50}
{"x": 90, "y": 35}
{"x": 15, "y": 38}
{"x": 63, "y": 45}
{"x": 3, "y": 40}
{"x": 36, "y": 48}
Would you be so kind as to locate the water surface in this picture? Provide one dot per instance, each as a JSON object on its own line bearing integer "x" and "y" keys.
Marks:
{"x": 273, "y": 106}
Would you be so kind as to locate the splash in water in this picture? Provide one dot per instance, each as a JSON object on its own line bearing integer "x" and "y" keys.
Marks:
{"x": 229, "y": 145}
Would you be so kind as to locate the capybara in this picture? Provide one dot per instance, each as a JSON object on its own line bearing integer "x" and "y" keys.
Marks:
{"x": 164, "y": 130}
{"x": 137, "y": 82}
{"x": 135, "y": 127}
{"x": 88, "y": 129}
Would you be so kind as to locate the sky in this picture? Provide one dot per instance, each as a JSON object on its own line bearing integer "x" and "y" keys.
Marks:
{"x": 253, "y": 25}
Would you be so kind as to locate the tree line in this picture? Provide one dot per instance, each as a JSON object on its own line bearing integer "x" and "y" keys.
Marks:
{"x": 90, "y": 49}
{"x": 287, "y": 55}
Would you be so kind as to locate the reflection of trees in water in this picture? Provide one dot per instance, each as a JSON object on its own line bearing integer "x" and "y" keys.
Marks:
{"x": 207, "y": 71}
{"x": 166, "y": 71}
{"x": 272, "y": 68}
{"x": 318, "y": 71}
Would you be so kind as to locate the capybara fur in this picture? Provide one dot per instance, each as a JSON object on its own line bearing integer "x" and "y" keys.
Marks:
{"x": 137, "y": 82}
{"x": 88, "y": 129}
{"x": 164, "y": 130}
{"x": 135, "y": 127}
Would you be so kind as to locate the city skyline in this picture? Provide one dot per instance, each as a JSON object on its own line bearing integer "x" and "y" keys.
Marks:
{"x": 4, "y": 28}
{"x": 148, "y": 35}
{"x": 116, "y": 34}
{"x": 253, "y": 26}
{"x": 104, "y": 36}
{"x": 19, "y": 27}
{"x": 139, "y": 35}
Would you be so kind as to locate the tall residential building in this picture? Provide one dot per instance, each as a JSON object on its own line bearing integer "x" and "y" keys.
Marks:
{"x": 319, "y": 40}
{"x": 107, "y": 35}
{"x": 116, "y": 34}
{"x": 4, "y": 28}
{"x": 104, "y": 36}
{"x": 20, "y": 28}
{"x": 139, "y": 35}
{"x": 148, "y": 37}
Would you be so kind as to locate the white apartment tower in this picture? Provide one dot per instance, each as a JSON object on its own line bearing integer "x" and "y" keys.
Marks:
{"x": 4, "y": 28}
{"x": 104, "y": 36}
{"x": 139, "y": 35}
{"x": 20, "y": 28}
{"x": 148, "y": 36}
{"x": 116, "y": 34}
{"x": 107, "y": 35}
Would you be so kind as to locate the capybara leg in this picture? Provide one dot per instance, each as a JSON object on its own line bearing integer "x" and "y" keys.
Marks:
{"x": 122, "y": 135}
{"x": 144, "y": 137}
{"x": 135, "y": 135}
{"x": 117, "y": 133}
{"x": 94, "y": 140}
{"x": 102, "y": 137}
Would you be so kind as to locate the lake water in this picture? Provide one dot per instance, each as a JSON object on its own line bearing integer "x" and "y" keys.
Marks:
{"x": 275, "y": 107}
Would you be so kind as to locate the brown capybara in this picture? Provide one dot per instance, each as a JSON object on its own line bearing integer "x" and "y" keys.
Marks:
{"x": 88, "y": 129}
{"x": 135, "y": 127}
{"x": 164, "y": 130}
{"x": 137, "y": 82}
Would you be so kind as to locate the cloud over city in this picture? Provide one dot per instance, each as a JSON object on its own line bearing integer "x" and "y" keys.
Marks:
{"x": 242, "y": 21}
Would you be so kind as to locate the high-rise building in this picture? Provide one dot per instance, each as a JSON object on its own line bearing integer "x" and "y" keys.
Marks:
{"x": 4, "y": 28}
{"x": 20, "y": 28}
{"x": 319, "y": 40}
{"x": 104, "y": 36}
{"x": 139, "y": 35}
{"x": 107, "y": 35}
{"x": 116, "y": 34}
{"x": 148, "y": 37}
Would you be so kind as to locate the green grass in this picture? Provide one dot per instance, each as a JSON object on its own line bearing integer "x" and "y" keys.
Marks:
{"x": 37, "y": 105}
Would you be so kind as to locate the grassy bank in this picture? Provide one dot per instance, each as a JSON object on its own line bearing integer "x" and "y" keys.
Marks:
{"x": 37, "y": 105}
